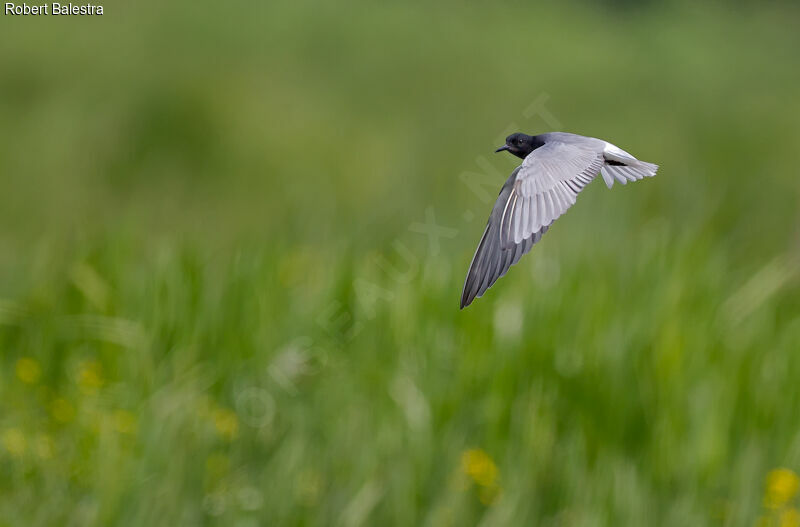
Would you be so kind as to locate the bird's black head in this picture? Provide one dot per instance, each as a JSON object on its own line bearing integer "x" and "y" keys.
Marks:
{"x": 520, "y": 145}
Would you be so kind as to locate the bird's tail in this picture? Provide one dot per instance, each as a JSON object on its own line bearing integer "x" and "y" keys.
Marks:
{"x": 630, "y": 170}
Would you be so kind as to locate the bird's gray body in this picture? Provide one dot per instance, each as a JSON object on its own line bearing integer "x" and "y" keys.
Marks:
{"x": 555, "y": 168}
{"x": 573, "y": 139}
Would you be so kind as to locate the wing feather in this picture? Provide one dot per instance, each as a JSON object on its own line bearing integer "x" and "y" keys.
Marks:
{"x": 534, "y": 196}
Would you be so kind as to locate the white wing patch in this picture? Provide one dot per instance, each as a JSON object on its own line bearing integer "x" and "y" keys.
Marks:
{"x": 624, "y": 167}
{"x": 616, "y": 151}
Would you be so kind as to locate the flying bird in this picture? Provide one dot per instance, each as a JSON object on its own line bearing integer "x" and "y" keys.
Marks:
{"x": 555, "y": 168}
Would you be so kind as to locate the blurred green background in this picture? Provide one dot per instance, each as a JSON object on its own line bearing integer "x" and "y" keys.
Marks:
{"x": 220, "y": 303}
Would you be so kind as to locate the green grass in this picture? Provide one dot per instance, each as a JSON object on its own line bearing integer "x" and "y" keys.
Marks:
{"x": 216, "y": 307}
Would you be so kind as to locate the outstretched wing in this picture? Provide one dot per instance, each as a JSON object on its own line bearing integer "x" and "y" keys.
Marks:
{"x": 547, "y": 184}
{"x": 537, "y": 193}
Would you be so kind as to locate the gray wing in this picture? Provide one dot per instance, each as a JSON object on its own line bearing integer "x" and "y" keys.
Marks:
{"x": 537, "y": 193}
{"x": 547, "y": 184}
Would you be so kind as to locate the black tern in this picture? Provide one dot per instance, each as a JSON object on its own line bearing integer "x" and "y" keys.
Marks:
{"x": 555, "y": 168}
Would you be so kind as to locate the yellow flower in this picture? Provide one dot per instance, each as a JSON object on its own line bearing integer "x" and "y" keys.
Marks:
{"x": 790, "y": 518}
{"x": 14, "y": 441}
{"x": 62, "y": 410}
{"x": 782, "y": 485}
{"x": 124, "y": 421}
{"x": 90, "y": 377}
{"x": 226, "y": 422}
{"x": 28, "y": 370}
{"x": 479, "y": 466}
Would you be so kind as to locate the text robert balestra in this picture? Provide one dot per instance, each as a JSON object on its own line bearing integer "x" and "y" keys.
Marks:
{"x": 52, "y": 9}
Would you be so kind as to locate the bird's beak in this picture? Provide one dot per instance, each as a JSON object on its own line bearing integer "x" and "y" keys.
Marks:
{"x": 504, "y": 147}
